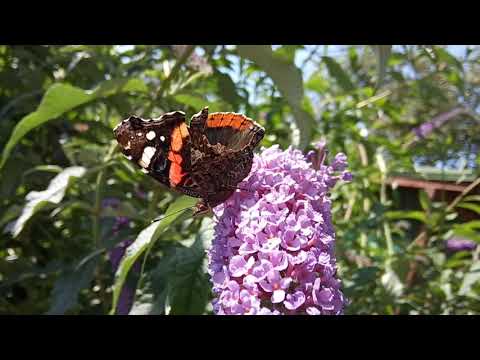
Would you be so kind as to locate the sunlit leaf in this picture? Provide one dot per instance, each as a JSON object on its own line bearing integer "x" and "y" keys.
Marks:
{"x": 392, "y": 283}
{"x": 288, "y": 78}
{"x": 470, "y": 279}
{"x": 414, "y": 215}
{"x": 467, "y": 233}
{"x": 196, "y": 102}
{"x": 317, "y": 83}
{"x": 336, "y": 71}
{"x": 147, "y": 238}
{"x": 36, "y": 200}
{"x": 60, "y": 98}
{"x": 470, "y": 206}
{"x": 424, "y": 200}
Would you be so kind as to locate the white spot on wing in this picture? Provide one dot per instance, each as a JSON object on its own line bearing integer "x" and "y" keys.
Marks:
{"x": 128, "y": 145}
{"x": 147, "y": 155}
{"x": 139, "y": 134}
{"x": 162, "y": 138}
{"x": 151, "y": 135}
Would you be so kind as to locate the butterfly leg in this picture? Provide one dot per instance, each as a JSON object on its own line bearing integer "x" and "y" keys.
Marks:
{"x": 201, "y": 208}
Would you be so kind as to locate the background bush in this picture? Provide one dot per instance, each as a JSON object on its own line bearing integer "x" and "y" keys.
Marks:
{"x": 68, "y": 199}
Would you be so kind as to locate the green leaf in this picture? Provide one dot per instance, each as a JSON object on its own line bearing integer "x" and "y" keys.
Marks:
{"x": 383, "y": 53}
{"x": 287, "y": 52}
{"x": 36, "y": 200}
{"x": 424, "y": 200}
{"x": 317, "y": 83}
{"x": 69, "y": 284}
{"x": 336, "y": 71}
{"x": 472, "y": 198}
{"x": 288, "y": 79}
{"x": 227, "y": 89}
{"x": 365, "y": 276}
{"x": 414, "y": 215}
{"x": 451, "y": 60}
{"x": 60, "y": 98}
{"x": 467, "y": 233}
{"x": 181, "y": 279}
{"x": 195, "y": 101}
{"x": 147, "y": 238}
{"x": 469, "y": 225}
{"x": 391, "y": 282}
{"x": 470, "y": 279}
{"x": 470, "y": 206}
{"x": 48, "y": 168}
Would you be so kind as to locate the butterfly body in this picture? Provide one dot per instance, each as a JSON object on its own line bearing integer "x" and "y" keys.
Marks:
{"x": 206, "y": 160}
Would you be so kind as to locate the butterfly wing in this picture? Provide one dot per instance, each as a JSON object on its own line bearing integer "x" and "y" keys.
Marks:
{"x": 235, "y": 132}
{"x": 222, "y": 152}
{"x": 160, "y": 147}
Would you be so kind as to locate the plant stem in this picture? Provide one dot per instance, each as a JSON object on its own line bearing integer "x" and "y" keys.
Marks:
{"x": 97, "y": 208}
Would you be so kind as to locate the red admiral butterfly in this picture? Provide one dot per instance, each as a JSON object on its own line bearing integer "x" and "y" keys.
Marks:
{"x": 206, "y": 160}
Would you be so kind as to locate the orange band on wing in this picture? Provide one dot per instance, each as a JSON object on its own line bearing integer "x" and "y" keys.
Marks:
{"x": 183, "y": 130}
{"x": 237, "y": 121}
{"x": 176, "y": 174}
{"x": 178, "y": 135}
{"x": 175, "y": 157}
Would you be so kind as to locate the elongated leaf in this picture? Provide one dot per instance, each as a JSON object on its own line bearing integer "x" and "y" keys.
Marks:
{"x": 195, "y": 101}
{"x": 383, "y": 53}
{"x": 146, "y": 239}
{"x": 392, "y": 283}
{"x": 414, "y": 215}
{"x": 68, "y": 286}
{"x": 60, "y": 98}
{"x": 336, "y": 71}
{"x": 288, "y": 79}
{"x": 470, "y": 206}
{"x": 470, "y": 225}
{"x": 470, "y": 279}
{"x": 227, "y": 89}
{"x": 472, "y": 198}
{"x": 467, "y": 233}
{"x": 424, "y": 200}
{"x": 36, "y": 200}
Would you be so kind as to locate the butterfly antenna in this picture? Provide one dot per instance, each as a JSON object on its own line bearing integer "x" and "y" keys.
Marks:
{"x": 176, "y": 212}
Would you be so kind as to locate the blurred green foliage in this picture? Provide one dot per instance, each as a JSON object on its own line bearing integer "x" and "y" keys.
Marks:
{"x": 59, "y": 104}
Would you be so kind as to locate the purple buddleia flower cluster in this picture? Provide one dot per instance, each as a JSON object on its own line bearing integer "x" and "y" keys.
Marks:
{"x": 456, "y": 244}
{"x": 273, "y": 248}
{"x": 438, "y": 121}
